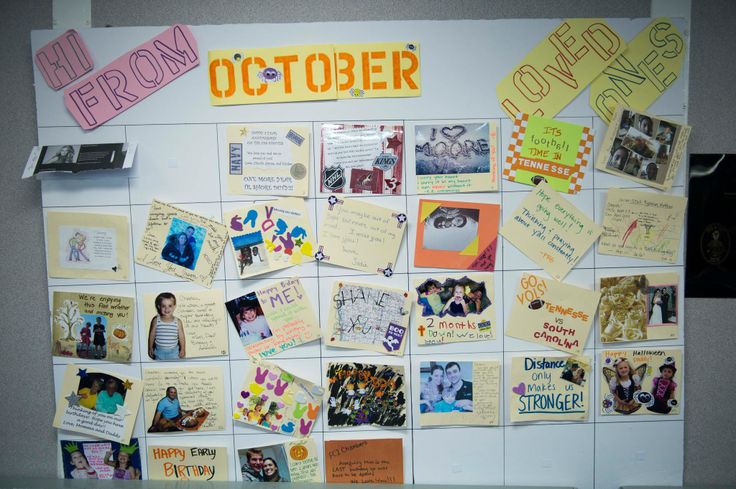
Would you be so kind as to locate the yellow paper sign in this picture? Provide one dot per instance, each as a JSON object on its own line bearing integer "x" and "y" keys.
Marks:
{"x": 171, "y": 463}
{"x": 559, "y": 67}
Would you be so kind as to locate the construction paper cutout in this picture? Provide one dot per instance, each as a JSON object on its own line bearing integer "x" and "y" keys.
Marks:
{"x": 63, "y": 60}
{"x": 372, "y": 461}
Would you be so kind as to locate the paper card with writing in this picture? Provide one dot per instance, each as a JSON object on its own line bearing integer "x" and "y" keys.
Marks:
{"x": 184, "y": 399}
{"x": 63, "y": 60}
{"x": 646, "y": 381}
{"x": 639, "y": 307}
{"x": 361, "y": 236}
{"x": 643, "y": 148}
{"x": 185, "y": 324}
{"x": 455, "y": 308}
{"x": 456, "y": 156}
{"x": 295, "y": 461}
{"x": 642, "y": 225}
{"x": 77, "y": 158}
{"x": 559, "y": 67}
{"x": 650, "y": 64}
{"x": 552, "y": 313}
{"x": 277, "y": 401}
{"x": 362, "y": 394}
{"x": 552, "y": 232}
{"x": 371, "y": 461}
{"x": 92, "y": 326}
{"x": 181, "y": 243}
{"x": 103, "y": 460}
{"x": 274, "y": 318}
{"x": 171, "y": 54}
{"x": 270, "y": 236}
{"x": 369, "y": 317}
{"x": 549, "y": 388}
{"x": 268, "y": 160}
{"x": 459, "y": 393}
{"x": 378, "y": 69}
{"x": 361, "y": 158}
{"x": 98, "y": 402}
{"x": 199, "y": 463}
{"x": 547, "y": 150}
{"x": 83, "y": 245}
{"x": 461, "y": 235}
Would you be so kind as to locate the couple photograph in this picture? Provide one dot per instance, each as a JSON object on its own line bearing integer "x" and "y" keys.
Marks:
{"x": 446, "y": 387}
{"x": 266, "y": 464}
{"x": 183, "y": 243}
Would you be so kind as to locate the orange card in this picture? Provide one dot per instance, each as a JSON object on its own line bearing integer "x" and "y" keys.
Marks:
{"x": 379, "y": 461}
{"x": 459, "y": 235}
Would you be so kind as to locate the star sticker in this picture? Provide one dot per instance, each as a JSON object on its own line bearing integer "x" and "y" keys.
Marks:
{"x": 82, "y": 373}
{"x": 401, "y": 217}
{"x": 122, "y": 411}
{"x": 73, "y": 399}
{"x": 393, "y": 143}
{"x": 243, "y": 131}
{"x": 298, "y": 242}
{"x": 387, "y": 272}
{"x": 319, "y": 256}
{"x": 332, "y": 200}
{"x": 127, "y": 385}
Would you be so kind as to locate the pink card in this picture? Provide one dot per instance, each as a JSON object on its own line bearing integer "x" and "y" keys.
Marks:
{"x": 132, "y": 77}
{"x": 64, "y": 59}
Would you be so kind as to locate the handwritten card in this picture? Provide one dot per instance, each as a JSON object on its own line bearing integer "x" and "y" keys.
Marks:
{"x": 461, "y": 235}
{"x": 455, "y": 308}
{"x": 189, "y": 463}
{"x": 361, "y": 236}
{"x": 642, "y": 225}
{"x": 268, "y": 160}
{"x": 559, "y": 67}
{"x": 363, "y": 394}
{"x": 552, "y": 313}
{"x": 274, "y": 400}
{"x": 103, "y": 460}
{"x": 456, "y": 156}
{"x": 295, "y": 461}
{"x": 92, "y": 326}
{"x": 274, "y": 318}
{"x": 63, "y": 60}
{"x": 362, "y": 158}
{"x": 184, "y": 399}
{"x": 202, "y": 320}
{"x": 459, "y": 393}
{"x": 373, "y": 461}
{"x": 98, "y": 402}
{"x": 650, "y": 64}
{"x": 77, "y": 158}
{"x": 181, "y": 243}
{"x": 643, "y": 148}
{"x": 82, "y": 245}
{"x": 132, "y": 77}
{"x": 552, "y": 232}
{"x": 547, "y": 150}
{"x": 270, "y": 236}
{"x": 639, "y": 307}
{"x": 549, "y": 388}
{"x": 641, "y": 382}
{"x": 369, "y": 317}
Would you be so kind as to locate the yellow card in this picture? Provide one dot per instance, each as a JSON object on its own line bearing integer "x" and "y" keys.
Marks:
{"x": 89, "y": 325}
{"x": 97, "y": 402}
{"x": 181, "y": 243}
{"x": 82, "y": 245}
{"x": 361, "y": 236}
{"x": 199, "y": 463}
{"x": 549, "y": 388}
{"x": 641, "y": 381}
{"x": 559, "y": 67}
{"x": 369, "y": 317}
{"x": 642, "y": 225}
{"x": 180, "y": 399}
{"x": 639, "y": 307}
{"x": 454, "y": 308}
{"x": 268, "y": 160}
{"x": 295, "y": 461}
{"x": 651, "y": 63}
{"x": 272, "y": 236}
{"x": 552, "y": 232}
{"x": 552, "y": 313}
{"x": 378, "y": 69}
{"x": 203, "y": 331}
{"x": 459, "y": 393}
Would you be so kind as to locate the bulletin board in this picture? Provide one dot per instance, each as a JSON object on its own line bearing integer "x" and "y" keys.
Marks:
{"x": 182, "y": 160}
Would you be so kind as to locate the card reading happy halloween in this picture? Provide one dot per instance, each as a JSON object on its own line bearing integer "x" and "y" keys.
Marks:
{"x": 294, "y": 461}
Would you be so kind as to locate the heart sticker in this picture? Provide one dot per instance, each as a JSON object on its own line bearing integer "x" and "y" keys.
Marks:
{"x": 519, "y": 389}
{"x": 272, "y": 376}
{"x": 264, "y": 397}
{"x": 280, "y": 405}
{"x": 240, "y": 405}
{"x": 244, "y": 394}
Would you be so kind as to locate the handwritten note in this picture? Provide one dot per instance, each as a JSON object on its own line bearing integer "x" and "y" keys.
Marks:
{"x": 378, "y": 461}
{"x": 361, "y": 236}
{"x": 199, "y": 463}
{"x": 550, "y": 231}
{"x": 64, "y": 59}
{"x": 642, "y": 225}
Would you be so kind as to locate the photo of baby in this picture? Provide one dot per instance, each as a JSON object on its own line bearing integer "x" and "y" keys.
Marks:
{"x": 453, "y": 297}
{"x": 450, "y": 228}
{"x": 183, "y": 243}
{"x": 248, "y": 318}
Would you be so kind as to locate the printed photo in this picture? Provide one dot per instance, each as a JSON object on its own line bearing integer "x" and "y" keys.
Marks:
{"x": 264, "y": 464}
{"x": 446, "y": 387}
{"x": 166, "y": 338}
{"x": 453, "y": 297}
{"x": 662, "y": 305}
{"x": 450, "y": 228}
{"x": 248, "y": 318}
{"x": 170, "y": 417}
{"x": 574, "y": 371}
{"x": 452, "y": 149}
{"x": 100, "y": 392}
{"x": 623, "y": 308}
{"x": 183, "y": 243}
{"x": 101, "y": 460}
{"x": 61, "y": 154}
{"x": 362, "y": 180}
{"x": 250, "y": 252}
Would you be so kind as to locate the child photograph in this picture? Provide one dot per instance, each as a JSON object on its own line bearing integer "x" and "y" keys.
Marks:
{"x": 446, "y": 387}
{"x": 183, "y": 243}
{"x": 250, "y": 252}
{"x": 100, "y": 392}
{"x": 101, "y": 460}
{"x": 450, "y": 228}
{"x": 248, "y": 318}
{"x": 453, "y": 297}
{"x": 264, "y": 464}
{"x": 166, "y": 338}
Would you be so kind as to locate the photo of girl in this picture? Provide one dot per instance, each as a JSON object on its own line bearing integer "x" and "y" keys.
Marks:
{"x": 123, "y": 468}
{"x": 663, "y": 389}
{"x": 78, "y": 460}
{"x": 623, "y": 383}
{"x": 454, "y": 297}
{"x": 102, "y": 460}
{"x": 248, "y": 318}
{"x": 166, "y": 339}
{"x": 183, "y": 243}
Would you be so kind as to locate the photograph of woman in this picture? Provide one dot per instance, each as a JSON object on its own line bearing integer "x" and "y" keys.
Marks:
{"x": 655, "y": 308}
{"x": 446, "y": 389}
{"x": 178, "y": 250}
{"x": 271, "y": 471}
{"x": 166, "y": 339}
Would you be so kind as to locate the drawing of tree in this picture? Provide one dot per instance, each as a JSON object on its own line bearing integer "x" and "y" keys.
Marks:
{"x": 68, "y": 316}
